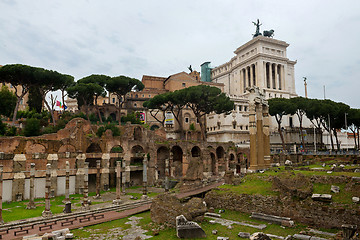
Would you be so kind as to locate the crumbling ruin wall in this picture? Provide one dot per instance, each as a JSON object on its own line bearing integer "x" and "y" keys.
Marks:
{"x": 327, "y": 215}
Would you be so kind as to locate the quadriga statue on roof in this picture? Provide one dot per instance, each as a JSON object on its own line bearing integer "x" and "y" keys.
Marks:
{"x": 269, "y": 33}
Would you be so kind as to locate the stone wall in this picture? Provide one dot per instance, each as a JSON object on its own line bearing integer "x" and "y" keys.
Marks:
{"x": 327, "y": 215}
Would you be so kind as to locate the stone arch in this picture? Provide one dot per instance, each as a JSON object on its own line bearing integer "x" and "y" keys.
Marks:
{"x": 136, "y": 160}
{"x": 177, "y": 161}
{"x": 220, "y": 152}
{"x": 137, "y": 155}
{"x": 94, "y": 148}
{"x": 117, "y": 149}
{"x": 35, "y": 148}
{"x": 138, "y": 134}
{"x": 195, "y": 151}
{"x": 154, "y": 127}
{"x": 213, "y": 163}
{"x": 66, "y": 148}
{"x": 162, "y": 154}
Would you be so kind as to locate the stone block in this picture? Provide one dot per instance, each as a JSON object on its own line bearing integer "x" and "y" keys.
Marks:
{"x": 244, "y": 235}
{"x": 301, "y": 236}
{"x": 222, "y": 238}
{"x": 259, "y": 236}
{"x": 335, "y": 189}
{"x": 322, "y": 197}
{"x": 209, "y": 214}
{"x": 188, "y": 229}
{"x": 355, "y": 199}
{"x": 214, "y": 232}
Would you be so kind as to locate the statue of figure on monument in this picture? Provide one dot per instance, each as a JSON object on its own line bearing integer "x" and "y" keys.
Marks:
{"x": 257, "y": 32}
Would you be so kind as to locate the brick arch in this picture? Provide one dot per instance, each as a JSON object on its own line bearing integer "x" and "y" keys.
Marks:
{"x": 35, "y": 148}
{"x": 67, "y": 148}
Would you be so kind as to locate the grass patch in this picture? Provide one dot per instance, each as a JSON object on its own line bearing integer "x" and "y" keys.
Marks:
{"x": 343, "y": 196}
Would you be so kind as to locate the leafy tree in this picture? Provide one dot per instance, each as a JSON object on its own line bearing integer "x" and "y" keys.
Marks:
{"x": 158, "y": 104}
{"x": 101, "y": 81}
{"x": 354, "y": 124}
{"x": 134, "y": 118}
{"x": 35, "y": 99}
{"x": 338, "y": 119}
{"x": 84, "y": 93}
{"x": 7, "y": 101}
{"x": 120, "y": 86}
{"x": 2, "y": 128}
{"x": 21, "y": 77}
{"x": 115, "y": 130}
{"x": 203, "y": 99}
{"x": 301, "y": 104}
{"x": 48, "y": 81}
{"x": 279, "y": 107}
{"x": 32, "y": 127}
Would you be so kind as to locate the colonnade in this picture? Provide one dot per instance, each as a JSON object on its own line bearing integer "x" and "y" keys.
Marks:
{"x": 274, "y": 75}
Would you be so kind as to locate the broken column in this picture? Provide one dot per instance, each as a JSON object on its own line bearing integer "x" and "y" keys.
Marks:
{"x": 85, "y": 203}
{"x": 252, "y": 130}
{"x": 47, "y": 212}
{"x": 67, "y": 183}
{"x": 188, "y": 229}
{"x": 259, "y": 135}
{"x": 266, "y": 130}
{"x": 145, "y": 160}
{"x": 97, "y": 179}
{"x": 31, "y": 204}
{"x": 117, "y": 201}
{"x": 1, "y": 191}
{"x": 166, "y": 175}
{"x": 123, "y": 176}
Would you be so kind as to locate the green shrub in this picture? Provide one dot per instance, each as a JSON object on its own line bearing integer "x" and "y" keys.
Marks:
{"x": 32, "y": 127}
{"x": 134, "y": 118}
{"x": 115, "y": 130}
{"x": 3, "y": 128}
{"x": 11, "y": 131}
{"x": 192, "y": 127}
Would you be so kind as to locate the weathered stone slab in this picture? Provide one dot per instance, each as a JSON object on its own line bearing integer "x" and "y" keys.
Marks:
{"x": 335, "y": 189}
{"x": 222, "y": 238}
{"x": 322, "y": 197}
{"x": 301, "y": 236}
{"x": 244, "y": 234}
{"x": 322, "y": 233}
{"x": 284, "y": 221}
{"x": 208, "y": 214}
{"x": 259, "y": 236}
{"x": 188, "y": 229}
{"x": 355, "y": 199}
{"x": 226, "y": 222}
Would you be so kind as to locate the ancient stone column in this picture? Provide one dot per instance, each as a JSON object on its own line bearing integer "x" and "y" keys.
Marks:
{"x": 276, "y": 76}
{"x": 97, "y": 179}
{"x": 266, "y": 131}
{"x": 260, "y": 135}
{"x": 1, "y": 193}
{"x": 226, "y": 160}
{"x": 117, "y": 201}
{"x": 166, "y": 175}
{"x": 252, "y": 130}
{"x": 31, "y": 204}
{"x": 145, "y": 160}
{"x": 105, "y": 172}
{"x": 123, "y": 176}
{"x": 271, "y": 75}
{"x": 47, "y": 212}
{"x": 85, "y": 203}
{"x": 67, "y": 183}
{"x": 251, "y": 76}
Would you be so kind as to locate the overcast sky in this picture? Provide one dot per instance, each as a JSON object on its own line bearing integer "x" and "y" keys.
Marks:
{"x": 160, "y": 38}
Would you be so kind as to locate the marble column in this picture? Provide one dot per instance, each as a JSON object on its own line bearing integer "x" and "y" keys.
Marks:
{"x": 31, "y": 204}
{"x": 251, "y": 76}
{"x": 117, "y": 201}
{"x": 270, "y": 76}
{"x": 98, "y": 164}
{"x": 47, "y": 212}
{"x": 67, "y": 183}
{"x": 276, "y": 76}
{"x": 145, "y": 161}
{"x": 1, "y": 193}
{"x": 266, "y": 131}
{"x": 166, "y": 175}
{"x": 252, "y": 130}
{"x": 246, "y": 78}
{"x": 280, "y": 76}
{"x": 259, "y": 135}
{"x": 85, "y": 203}
{"x": 123, "y": 177}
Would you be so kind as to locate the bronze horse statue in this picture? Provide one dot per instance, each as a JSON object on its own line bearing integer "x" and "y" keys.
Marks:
{"x": 269, "y": 33}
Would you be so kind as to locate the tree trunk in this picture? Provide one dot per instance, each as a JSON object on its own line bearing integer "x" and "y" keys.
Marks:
{"x": 51, "y": 111}
{"x": 120, "y": 105}
{"x": 16, "y": 110}
{"x": 302, "y": 135}
{"x": 354, "y": 132}
{"x": 278, "y": 120}
{"x": 179, "y": 120}
{"x": 337, "y": 140}
{"x": 63, "y": 98}
{"x": 202, "y": 128}
{"x": 358, "y": 137}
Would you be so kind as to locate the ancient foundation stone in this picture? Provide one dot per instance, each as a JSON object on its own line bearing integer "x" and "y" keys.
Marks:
{"x": 188, "y": 229}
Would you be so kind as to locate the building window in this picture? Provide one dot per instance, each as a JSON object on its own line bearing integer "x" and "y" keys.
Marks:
{"x": 291, "y": 122}
{"x": 103, "y": 101}
{"x": 246, "y": 127}
{"x": 113, "y": 100}
{"x": 143, "y": 95}
{"x": 184, "y": 84}
{"x": 245, "y": 108}
{"x": 136, "y": 96}
{"x": 186, "y": 120}
{"x": 149, "y": 95}
{"x": 135, "y": 105}
{"x": 240, "y": 108}
{"x": 241, "y": 127}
